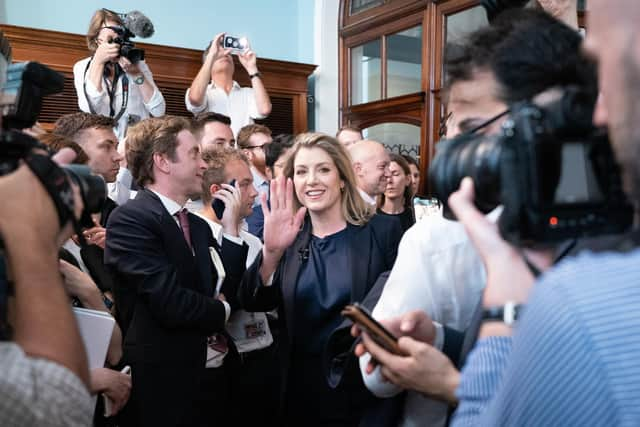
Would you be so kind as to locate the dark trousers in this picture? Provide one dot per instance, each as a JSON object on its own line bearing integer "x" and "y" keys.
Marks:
{"x": 255, "y": 388}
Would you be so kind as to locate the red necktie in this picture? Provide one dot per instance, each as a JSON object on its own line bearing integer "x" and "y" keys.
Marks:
{"x": 183, "y": 219}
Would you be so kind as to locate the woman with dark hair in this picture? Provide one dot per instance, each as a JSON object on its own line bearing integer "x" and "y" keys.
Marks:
{"x": 323, "y": 249}
{"x": 414, "y": 167}
{"x": 396, "y": 199}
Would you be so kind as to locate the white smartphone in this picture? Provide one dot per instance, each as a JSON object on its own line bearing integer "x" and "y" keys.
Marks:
{"x": 108, "y": 404}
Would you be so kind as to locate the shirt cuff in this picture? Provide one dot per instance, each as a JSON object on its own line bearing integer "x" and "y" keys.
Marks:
{"x": 438, "y": 341}
{"x": 235, "y": 239}
{"x": 156, "y": 102}
{"x": 227, "y": 311}
{"x": 193, "y": 108}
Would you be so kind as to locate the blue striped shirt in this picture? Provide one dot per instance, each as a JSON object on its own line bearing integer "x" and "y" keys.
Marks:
{"x": 575, "y": 357}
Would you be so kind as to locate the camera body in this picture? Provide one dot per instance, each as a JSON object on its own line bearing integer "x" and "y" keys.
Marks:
{"x": 553, "y": 172}
{"x": 237, "y": 45}
{"x": 127, "y": 48}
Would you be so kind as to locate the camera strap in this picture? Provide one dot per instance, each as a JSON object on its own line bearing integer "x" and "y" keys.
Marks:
{"x": 57, "y": 183}
{"x": 110, "y": 92}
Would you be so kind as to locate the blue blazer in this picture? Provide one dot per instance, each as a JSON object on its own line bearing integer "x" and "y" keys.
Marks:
{"x": 372, "y": 249}
{"x": 165, "y": 305}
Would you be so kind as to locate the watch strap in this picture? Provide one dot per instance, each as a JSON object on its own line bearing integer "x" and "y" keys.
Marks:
{"x": 508, "y": 313}
{"x": 257, "y": 74}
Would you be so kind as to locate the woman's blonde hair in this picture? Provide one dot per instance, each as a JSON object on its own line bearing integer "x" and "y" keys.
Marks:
{"x": 99, "y": 21}
{"x": 354, "y": 209}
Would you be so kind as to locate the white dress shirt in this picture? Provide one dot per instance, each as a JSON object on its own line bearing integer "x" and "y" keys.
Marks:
{"x": 136, "y": 107}
{"x": 250, "y": 331}
{"x": 438, "y": 271}
{"x": 240, "y": 104}
{"x": 371, "y": 201}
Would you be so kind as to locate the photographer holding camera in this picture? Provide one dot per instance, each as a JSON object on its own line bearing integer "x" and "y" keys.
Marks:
{"x": 488, "y": 72}
{"x": 116, "y": 81}
{"x": 213, "y": 88}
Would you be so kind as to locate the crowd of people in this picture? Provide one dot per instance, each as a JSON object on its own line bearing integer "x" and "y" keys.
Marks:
{"x": 226, "y": 254}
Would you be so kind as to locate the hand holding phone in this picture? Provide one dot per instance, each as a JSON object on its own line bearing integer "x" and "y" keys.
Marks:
{"x": 108, "y": 403}
{"x": 381, "y": 335}
{"x": 218, "y": 205}
{"x": 237, "y": 45}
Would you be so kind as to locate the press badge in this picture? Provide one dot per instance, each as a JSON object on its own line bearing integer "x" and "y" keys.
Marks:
{"x": 255, "y": 329}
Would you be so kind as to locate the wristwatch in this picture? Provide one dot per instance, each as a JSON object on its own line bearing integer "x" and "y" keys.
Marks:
{"x": 256, "y": 74}
{"x": 139, "y": 80}
{"x": 508, "y": 313}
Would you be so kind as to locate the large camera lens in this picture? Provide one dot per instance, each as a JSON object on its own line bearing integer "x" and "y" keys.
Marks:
{"x": 476, "y": 156}
{"x": 92, "y": 189}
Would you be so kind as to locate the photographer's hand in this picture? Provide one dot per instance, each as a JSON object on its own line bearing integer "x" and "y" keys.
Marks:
{"x": 249, "y": 61}
{"x": 216, "y": 51}
{"x": 508, "y": 277}
{"x": 105, "y": 53}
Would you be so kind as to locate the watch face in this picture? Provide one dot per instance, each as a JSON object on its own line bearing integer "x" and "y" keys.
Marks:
{"x": 139, "y": 80}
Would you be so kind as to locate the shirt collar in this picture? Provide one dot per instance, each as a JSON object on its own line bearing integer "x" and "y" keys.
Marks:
{"x": 257, "y": 178}
{"x": 171, "y": 206}
{"x": 234, "y": 86}
{"x": 367, "y": 198}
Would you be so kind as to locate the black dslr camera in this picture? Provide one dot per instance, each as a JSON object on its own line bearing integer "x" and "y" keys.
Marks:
{"x": 127, "y": 48}
{"x": 134, "y": 24}
{"x": 554, "y": 173}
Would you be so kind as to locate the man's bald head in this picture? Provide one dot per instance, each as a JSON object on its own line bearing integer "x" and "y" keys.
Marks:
{"x": 370, "y": 162}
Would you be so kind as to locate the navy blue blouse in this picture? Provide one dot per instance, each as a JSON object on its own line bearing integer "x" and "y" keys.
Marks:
{"x": 322, "y": 291}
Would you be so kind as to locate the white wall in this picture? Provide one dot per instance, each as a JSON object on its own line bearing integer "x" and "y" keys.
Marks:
{"x": 326, "y": 57}
{"x": 277, "y": 29}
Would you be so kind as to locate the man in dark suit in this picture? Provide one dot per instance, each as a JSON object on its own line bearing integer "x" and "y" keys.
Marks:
{"x": 169, "y": 276}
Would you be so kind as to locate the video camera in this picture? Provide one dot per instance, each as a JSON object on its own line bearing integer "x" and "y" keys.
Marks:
{"x": 134, "y": 24}
{"x": 551, "y": 169}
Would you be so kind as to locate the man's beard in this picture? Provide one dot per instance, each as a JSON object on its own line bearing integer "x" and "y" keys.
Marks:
{"x": 625, "y": 130}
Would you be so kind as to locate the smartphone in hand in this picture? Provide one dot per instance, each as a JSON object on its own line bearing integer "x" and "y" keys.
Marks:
{"x": 381, "y": 335}
{"x": 218, "y": 205}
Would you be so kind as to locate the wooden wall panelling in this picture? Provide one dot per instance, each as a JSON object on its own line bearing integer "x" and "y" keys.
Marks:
{"x": 173, "y": 69}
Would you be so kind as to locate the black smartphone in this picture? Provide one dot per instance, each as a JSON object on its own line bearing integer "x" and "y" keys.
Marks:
{"x": 381, "y": 335}
{"x": 218, "y": 205}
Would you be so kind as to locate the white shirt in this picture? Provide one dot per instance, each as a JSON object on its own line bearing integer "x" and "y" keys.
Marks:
{"x": 173, "y": 208}
{"x": 250, "y": 331}
{"x": 367, "y": 198}
{"x": 137, "y": 109}
{"x": 438, "y": 271}
{"x": 120, "y": 191}
{"x": 240, "y": 104}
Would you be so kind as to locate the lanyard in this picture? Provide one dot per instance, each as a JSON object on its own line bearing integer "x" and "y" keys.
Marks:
{"x": 112, "y": 92}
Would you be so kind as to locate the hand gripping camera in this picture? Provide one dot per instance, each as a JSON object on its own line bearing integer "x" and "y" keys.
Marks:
{"x": 135, "y": 24}
{"x": 554, "y": 173}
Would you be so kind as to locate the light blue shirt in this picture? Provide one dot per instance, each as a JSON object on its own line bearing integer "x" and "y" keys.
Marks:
{"x": 575, "y": 357}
